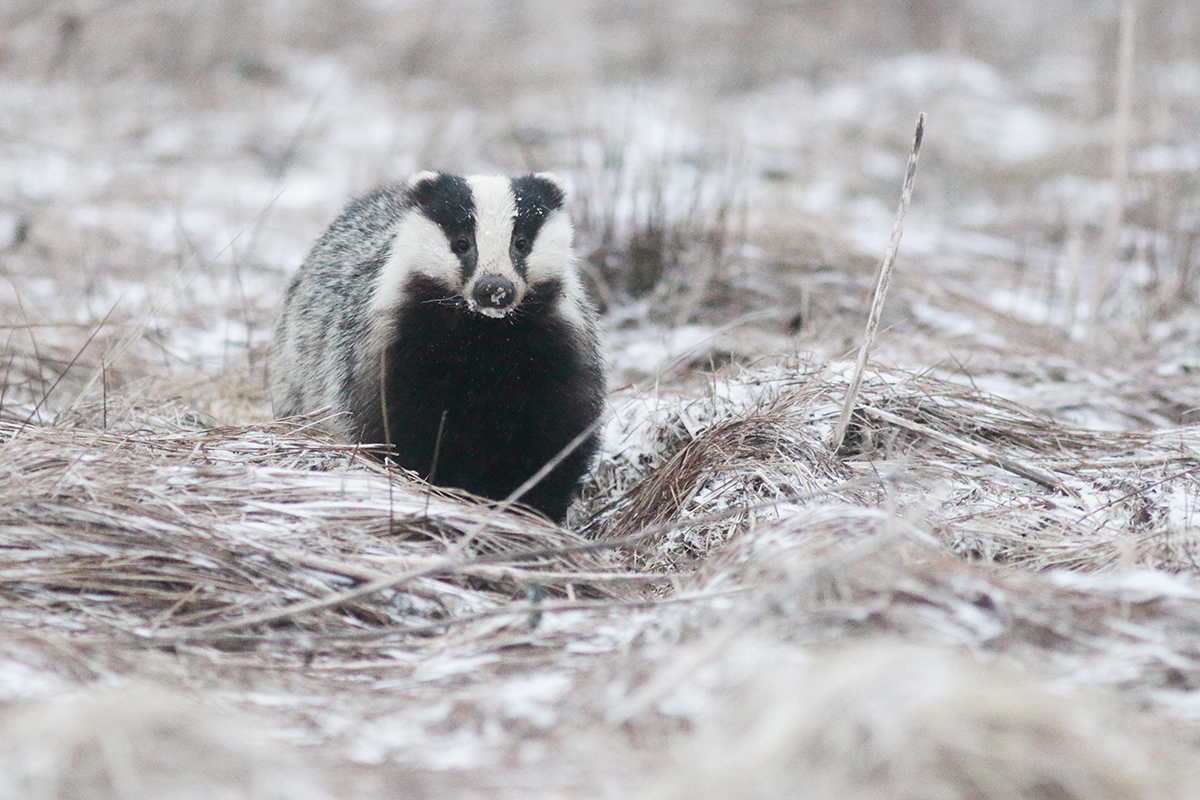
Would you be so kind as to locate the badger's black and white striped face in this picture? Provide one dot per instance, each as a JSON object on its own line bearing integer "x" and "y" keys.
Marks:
{"x": 489, "y": 240}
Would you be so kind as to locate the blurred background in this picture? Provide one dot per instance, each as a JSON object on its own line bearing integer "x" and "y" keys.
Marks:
{"x": 166, "y": 164}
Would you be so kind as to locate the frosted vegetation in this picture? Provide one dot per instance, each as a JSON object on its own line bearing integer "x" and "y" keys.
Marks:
{"x": 990, "y": 591}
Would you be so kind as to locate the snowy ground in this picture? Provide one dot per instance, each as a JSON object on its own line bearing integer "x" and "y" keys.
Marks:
{"x": 734, "y": 171}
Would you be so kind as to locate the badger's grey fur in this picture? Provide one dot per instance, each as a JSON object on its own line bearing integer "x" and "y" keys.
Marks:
{"x": 445, "y": 317}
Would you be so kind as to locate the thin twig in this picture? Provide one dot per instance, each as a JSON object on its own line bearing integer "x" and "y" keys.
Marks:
{"x": 518, "y": 575}
{"x": 1122, "y": 127}
{"x": 881, "y": 288}
{"x": 63, "y": 374}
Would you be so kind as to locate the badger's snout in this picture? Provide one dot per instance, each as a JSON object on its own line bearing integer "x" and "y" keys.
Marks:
{"x": 494, "y": 295}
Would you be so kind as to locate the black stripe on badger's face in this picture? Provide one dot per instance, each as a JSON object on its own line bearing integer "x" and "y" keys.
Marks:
{"x": 535, "y": 198}
{"x": 446, "y": 200}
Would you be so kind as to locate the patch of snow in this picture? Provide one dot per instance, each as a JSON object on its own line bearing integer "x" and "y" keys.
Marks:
{"x": 441, "y": 666}
{"x": 19, "y": 681}
{"x": 1133, "y": 586}
{"x": 531, "y": 698}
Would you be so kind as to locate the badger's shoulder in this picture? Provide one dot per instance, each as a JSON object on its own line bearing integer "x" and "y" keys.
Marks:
{"x": 360, "y": 233}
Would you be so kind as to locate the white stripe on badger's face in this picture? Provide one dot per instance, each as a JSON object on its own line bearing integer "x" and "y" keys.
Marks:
{"x": 495, "y": 210}
{"x": 553, "y": 258}
{"x": 418, "y": 246}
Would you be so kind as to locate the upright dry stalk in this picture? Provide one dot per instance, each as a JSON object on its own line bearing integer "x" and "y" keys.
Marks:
{"x": 881, "y": 287}
{"x": 1120, "y": 155}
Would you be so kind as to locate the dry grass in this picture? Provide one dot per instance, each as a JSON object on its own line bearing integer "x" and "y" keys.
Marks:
{"x": 262, "y": 556}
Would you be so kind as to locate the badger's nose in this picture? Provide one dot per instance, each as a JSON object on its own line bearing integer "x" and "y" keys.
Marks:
{"x": 494, "y": 292}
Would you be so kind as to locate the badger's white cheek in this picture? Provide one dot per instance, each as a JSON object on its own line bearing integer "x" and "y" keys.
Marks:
{"x": 552, "y": 254}
{"x": 418, "y": 247}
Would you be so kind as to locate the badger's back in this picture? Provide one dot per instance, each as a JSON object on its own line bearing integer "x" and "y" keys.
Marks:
{"x": 444, "y": 318}
{"x": 324, "y": 322}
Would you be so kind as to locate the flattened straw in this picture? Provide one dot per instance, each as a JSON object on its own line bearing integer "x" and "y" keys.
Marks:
{"x": 1027, "y": 471}
{"x": 453, "y": 564}
{"x": 881, "y": 287}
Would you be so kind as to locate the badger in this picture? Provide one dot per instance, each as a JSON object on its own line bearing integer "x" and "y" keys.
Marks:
{"x": 444, "y": 320}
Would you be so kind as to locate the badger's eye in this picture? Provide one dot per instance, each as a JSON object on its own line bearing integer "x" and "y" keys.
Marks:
{"x": 461, "y": 245}
{"x": 521, "y": 245}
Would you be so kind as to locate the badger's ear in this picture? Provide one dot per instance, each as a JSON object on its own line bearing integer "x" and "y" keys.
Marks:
{"x": 553, "y": 180}
{"x": 540, "y": 189}
{"x": 427, "y": 176}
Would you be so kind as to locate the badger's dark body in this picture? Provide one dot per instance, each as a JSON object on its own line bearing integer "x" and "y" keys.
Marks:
{"x": 514, "y": 392}
{"x": 394, "y": 343}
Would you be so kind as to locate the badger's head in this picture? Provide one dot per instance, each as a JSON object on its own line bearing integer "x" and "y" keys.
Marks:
{"x": 487, "y": 240}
